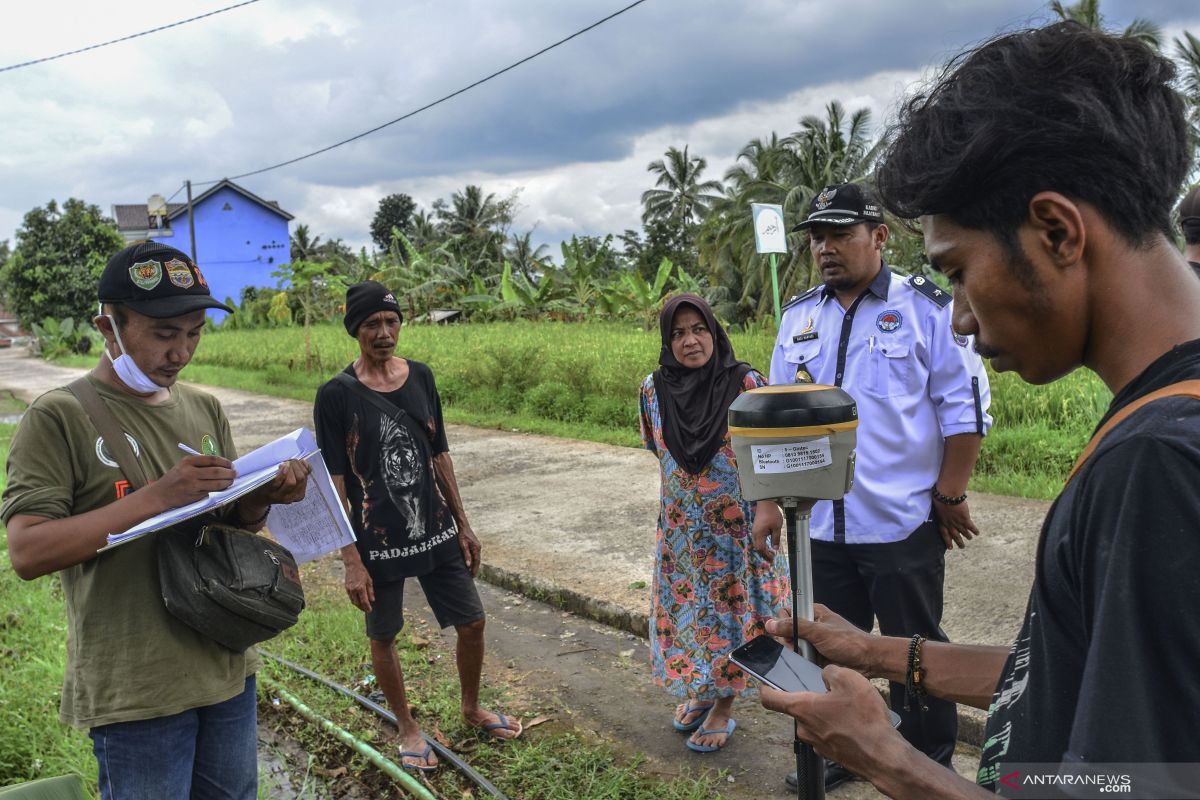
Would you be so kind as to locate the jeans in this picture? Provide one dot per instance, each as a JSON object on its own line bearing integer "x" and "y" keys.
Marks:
{"x": 206, "y": 753}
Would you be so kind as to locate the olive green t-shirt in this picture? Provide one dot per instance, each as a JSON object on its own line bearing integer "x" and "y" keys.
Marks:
{"x": 127, "y": 658}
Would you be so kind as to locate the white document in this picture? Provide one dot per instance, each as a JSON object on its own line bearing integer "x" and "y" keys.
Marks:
{"x": 319, "y": 525}
{"x": 797, "y": 457}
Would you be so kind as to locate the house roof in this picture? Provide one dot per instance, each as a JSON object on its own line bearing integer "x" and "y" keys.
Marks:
{"x": 270, "y": 205}
{"x": 136, "y": 217}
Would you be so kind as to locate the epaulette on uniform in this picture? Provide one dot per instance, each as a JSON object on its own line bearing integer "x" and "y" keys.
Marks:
{"x": 801, "y": 297}
{"x": 937, "y": 295}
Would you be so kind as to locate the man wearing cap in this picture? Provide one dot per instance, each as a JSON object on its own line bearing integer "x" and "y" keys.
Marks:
{"x": 1189, "y": 221}
{"x": 922, "y": 395}
{"x": 379, "y": 424}
{"x": 170, "y": 712}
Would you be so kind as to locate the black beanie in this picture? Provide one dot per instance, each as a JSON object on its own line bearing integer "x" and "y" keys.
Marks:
{"x": 367, "y": 298}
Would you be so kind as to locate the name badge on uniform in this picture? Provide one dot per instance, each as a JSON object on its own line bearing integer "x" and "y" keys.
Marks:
{"x": 803, "y": 375}
{"x": 804, "y": 337}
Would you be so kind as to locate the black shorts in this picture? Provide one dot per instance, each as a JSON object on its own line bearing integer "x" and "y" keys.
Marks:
{"x": 450, "y": 590}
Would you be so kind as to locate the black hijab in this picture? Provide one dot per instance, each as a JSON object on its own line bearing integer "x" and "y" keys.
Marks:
{"x": 694, "y": 403}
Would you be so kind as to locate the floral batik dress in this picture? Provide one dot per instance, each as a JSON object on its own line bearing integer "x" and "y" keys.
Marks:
{"x": 711, "y": 591}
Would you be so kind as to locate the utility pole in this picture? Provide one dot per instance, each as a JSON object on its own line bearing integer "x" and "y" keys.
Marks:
{"x": 191, "y": 221}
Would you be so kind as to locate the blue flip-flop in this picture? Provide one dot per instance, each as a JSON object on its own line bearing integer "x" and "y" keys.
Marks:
{"x": 501, "y": 723}
{"x": 423, "y": 755}
{"x": 688, "y": 708}
{"x": 727, "y": 730}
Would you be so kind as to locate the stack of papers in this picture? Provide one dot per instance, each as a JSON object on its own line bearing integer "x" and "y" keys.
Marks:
{"x": 309, "y": 528}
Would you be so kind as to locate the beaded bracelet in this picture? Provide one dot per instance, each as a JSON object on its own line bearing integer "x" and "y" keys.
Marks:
{"x": 914, "y": 680}
{"x": 252, "y": 523}
{"x": 946, "y": 500}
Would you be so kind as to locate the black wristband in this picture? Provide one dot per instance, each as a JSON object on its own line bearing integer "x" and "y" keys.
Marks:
{"x": 948, "y": 501}
{"x": 252, "y": 523}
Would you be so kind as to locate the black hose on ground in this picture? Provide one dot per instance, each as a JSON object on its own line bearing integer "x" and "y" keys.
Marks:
{"x": 442, "y": 752}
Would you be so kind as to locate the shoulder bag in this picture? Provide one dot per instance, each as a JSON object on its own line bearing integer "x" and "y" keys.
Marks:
{"x": 230, "y": 585}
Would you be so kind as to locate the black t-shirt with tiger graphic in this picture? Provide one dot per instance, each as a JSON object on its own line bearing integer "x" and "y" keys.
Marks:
{"x": 403, "y": 524}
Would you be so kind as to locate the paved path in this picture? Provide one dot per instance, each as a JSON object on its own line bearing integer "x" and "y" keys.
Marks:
{"x": 573, "y": 521}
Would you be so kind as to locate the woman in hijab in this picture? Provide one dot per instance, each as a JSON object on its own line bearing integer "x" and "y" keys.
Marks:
{"x": 712, "y": 591}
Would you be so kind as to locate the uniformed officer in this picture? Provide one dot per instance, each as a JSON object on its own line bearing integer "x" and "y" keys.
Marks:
{"x": 922, "y": 397}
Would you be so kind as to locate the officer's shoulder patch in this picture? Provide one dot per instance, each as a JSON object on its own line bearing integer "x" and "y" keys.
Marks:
{"x": 800, "y": 298}
{"x": 937, "y": 295}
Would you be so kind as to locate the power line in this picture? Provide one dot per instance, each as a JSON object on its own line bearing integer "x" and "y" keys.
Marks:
{"x": 125, "y": 38}
{"x": 428, "y": 106}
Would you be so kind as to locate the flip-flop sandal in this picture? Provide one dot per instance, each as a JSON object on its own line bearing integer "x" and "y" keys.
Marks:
{"x": 501, "y": 724}
{"x": 727, "y": 730}
{"x": 423, "y": 755}
{"x": 688, "y": 708}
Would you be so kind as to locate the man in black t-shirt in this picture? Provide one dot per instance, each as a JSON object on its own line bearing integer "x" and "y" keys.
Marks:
{"x": 379, "y": 425}
{"x": 1043, "y": 167}
{"x": 1189, "y": 222}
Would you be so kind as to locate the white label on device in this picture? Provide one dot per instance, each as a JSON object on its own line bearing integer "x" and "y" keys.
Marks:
{"x": 798, "y": 457}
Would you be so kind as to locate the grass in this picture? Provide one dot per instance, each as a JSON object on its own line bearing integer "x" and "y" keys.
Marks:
{"x": 33, "y": 645}
{"x": 548, "y": 763}
{"x": 581, "y": 380}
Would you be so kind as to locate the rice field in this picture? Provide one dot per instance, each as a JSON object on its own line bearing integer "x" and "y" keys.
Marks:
{"x": 582, "y": 379}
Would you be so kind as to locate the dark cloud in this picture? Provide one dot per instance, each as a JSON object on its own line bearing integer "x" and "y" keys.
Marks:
{"x": 229, "y": 95}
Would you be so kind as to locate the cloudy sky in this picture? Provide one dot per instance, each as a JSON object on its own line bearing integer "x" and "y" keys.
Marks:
{"x": 573, "y": 129}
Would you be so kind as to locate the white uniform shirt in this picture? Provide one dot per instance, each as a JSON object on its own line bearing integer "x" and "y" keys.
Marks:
{"x": 915, "y": 382}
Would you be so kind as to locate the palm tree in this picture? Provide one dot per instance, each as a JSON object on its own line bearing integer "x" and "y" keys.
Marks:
{"x": 1087, "y": 13}
{"x": 789, "y": 172}
{"x": 304, "y": 245}
{"x": 478, "y": 226}
{"x": 526, "y": 259}
{"x": 680, "y": 196}
{"x": 1188, "y": 54}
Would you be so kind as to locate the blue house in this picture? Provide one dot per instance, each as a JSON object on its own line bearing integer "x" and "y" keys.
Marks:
{"x": 240, "y": 238}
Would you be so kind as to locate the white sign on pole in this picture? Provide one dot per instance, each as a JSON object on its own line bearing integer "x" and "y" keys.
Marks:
{"x": 770, "y": 235}
{"x": 798, "y": 457}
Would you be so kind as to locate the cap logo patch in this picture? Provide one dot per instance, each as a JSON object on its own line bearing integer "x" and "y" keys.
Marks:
{"x": 390, "y": 298}
{"x": 825, "y": 199}
{"x": 208, "y": 445}
{"x": 179, "y": 274}
{"x": 199, "y": 275}
{"x": 146, "y": 274}
{"x": 889, "y": 321}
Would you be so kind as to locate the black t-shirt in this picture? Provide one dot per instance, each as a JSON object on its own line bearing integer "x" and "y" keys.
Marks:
{"x": 1105, "y": 666}
{"x": 400, "y": 517}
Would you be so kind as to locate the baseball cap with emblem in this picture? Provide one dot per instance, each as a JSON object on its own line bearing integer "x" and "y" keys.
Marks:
{"x": 843, "y": 204}
{"x": 156, "y": 280}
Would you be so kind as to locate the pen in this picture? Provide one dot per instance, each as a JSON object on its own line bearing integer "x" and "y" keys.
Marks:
{"x": 188, "y": 450}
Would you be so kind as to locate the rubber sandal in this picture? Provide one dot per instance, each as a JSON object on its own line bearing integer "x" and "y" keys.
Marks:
{"x": 501, "y": 724}
{"x": 727, "y": 730}
{"x": 688, "y": 708}
{"x": 423, "y": 755}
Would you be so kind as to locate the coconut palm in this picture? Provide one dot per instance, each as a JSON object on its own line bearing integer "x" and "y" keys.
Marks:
{"x": 680, "y": 196}
{"x": 1187, "y": 52}
{"x": 1087, "y": 12}
{"x": 788, "y": 171}
{"x": 526, "y": 259}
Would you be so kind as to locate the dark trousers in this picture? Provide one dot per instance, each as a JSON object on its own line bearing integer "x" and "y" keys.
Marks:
{"x": 900, "y": 585}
